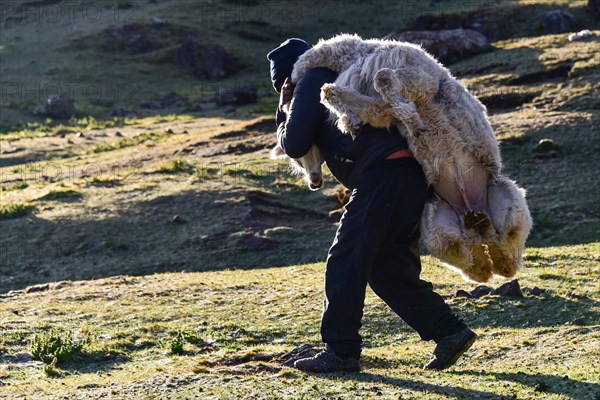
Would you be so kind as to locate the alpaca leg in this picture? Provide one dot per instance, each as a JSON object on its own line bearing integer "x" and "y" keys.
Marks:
{"x": 332, "y": 97}
{"x": 511, "y": 218}
{"x": 442, "y": 235}
{"x": 506, "y": 261}
{"x": 388, "y": 85}
{"x": 350, "y": 102}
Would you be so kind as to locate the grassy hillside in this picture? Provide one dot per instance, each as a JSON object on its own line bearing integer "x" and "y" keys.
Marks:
{"x": 233, "y": 322}
{"x": 65, "y": 47}
{"x": 182, "y": 261}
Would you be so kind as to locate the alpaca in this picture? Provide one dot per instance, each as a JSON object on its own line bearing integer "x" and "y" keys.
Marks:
{"x": 309, "y": 165}
{"x": 479, "y": 220}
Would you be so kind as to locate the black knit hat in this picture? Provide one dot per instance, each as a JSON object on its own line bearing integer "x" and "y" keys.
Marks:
{"x": 284, "y": 57}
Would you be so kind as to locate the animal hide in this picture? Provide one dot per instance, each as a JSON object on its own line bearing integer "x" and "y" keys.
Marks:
{"x": 479, "y": 220}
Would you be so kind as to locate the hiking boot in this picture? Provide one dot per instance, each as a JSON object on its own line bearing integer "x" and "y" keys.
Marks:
{"x": 450, "y": 348}
{"x": 327, "y": 361}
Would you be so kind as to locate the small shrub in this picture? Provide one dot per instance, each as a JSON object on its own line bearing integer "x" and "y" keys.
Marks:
{"x": 177, "y": 343}
{"x": 176, "y": 166}
{"x": 15, "y": 210}
{"x": 55, "y": 347}
{"x": 17, "y": 186}
{"x": 62, "y": 194}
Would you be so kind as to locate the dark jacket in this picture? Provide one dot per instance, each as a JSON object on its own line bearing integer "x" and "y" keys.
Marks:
{"x": 308, "y": 123}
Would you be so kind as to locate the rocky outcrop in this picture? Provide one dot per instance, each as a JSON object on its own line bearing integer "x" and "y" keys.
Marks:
{"x": 205, "y": 60}
{"x": 557, "y": 21}
{"x": 237, "y": 96}
{"x": 447, "y": 45}
{"x": 162, "y": 42}
{"x": 57, "y": 106}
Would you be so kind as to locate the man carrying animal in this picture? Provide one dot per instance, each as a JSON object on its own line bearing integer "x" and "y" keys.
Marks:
{"x": 377, "y": 240}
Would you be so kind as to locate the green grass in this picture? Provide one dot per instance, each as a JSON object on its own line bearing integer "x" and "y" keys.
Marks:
{"x": 15, "y": 210}
{"x": 178, "y": 165}
{"x": 207, "y": 328}
{"x": 149, "y": 139}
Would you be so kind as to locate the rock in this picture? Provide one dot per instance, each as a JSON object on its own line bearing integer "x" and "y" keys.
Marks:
{"x": 581, "y": 35}
{"x": 593, "y": 6}
{"x": 536, "y": 291}
{"x": 237, "y": 96}
{"x": 510, "y": 289}
{"x": 557, "y": 21}
{"x": 463, "y": 293}
{"x": 118, "y": 134}
{"x": 169, "y": 131}
{"x": 38, "y": 288}
{"x": 546, "y": 146}
{"x": 281, "y": 233}
{"x": 59, "y": 106}
{"x": 578, "y": 322}
{"x": 177, "y": 219}
{"x": 158, "y": 22}
{"x": 448, "y": 45}
{"x": 481, "y": 291}
{"x": 205, "y": 60}
{"x": 79, "y": 134}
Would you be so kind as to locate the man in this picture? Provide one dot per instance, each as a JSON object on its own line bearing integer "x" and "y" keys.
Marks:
{"x": 377, "y": 240}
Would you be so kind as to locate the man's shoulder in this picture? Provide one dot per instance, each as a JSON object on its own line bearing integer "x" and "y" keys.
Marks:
{"x": 319, "y": 74}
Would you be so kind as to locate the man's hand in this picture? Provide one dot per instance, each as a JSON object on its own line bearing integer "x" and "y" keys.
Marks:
{"x": 287, "y": 92}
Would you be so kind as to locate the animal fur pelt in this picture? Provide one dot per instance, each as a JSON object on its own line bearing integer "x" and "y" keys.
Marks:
{"x": 479, "y": 220}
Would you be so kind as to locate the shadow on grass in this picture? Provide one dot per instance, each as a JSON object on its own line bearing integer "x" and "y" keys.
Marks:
{"x": 542, "y": 383}
{"x": 94, "y": 362}
{"x": 425, "y": 388}
{"x": 212, "y": 230}
{"x": 531, "y": 311}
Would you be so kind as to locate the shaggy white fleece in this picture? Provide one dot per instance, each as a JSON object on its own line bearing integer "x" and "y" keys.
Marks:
{"x": 479, "y": 220}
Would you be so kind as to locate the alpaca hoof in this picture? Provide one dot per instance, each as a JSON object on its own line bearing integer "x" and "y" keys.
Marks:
{"x": 351, "y": 124}
{"x": 328, "y": 92}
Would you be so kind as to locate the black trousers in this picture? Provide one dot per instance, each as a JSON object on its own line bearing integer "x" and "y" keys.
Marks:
{"x": 377, "y": 244}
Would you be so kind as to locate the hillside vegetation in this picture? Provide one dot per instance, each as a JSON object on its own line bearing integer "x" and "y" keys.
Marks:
{"x": 163, "y": 255}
